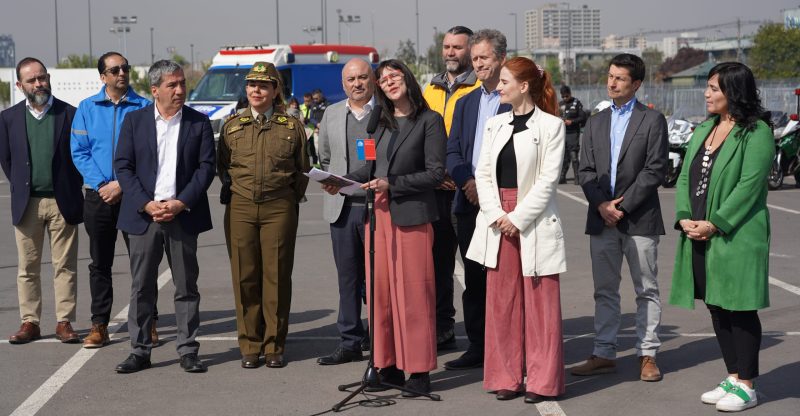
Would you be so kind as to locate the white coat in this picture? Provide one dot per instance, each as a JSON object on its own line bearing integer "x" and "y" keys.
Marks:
{"x": 539, "y": 154}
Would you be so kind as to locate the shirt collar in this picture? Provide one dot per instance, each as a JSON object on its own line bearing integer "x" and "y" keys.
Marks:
{"x": 121, "y": 99}
{"x": 44, "y": 110}
{"x": 367, "y": 107}
{"x": 267, "y": 114}
{"x": 625, "y": 108}
{"x": 457, "y": 80}
{"x": 485, "y": 92}
{"x": 158, "y": 116}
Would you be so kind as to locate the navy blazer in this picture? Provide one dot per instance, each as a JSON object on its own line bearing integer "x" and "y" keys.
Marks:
{"x": 16, "y": 162}
{"x": 460, "y": 145}
{"x": 136, "y": 164}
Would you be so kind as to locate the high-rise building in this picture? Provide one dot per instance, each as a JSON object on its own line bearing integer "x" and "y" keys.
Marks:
{"x": 556, "y": 25}
{"x": 7, "y": 59}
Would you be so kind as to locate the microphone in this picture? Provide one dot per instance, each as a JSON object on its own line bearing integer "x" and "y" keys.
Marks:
{"x": 374, "y": 118}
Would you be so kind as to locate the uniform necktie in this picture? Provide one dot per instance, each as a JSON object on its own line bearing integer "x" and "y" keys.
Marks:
{"x": 261, "y": 119}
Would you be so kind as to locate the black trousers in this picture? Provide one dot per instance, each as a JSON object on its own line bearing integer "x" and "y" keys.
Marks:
{"x": 100, "y": 220}
{"x": 572, "y": 146}
{"x": 739, "y": 338}
{"x": 474, "y": 296}
{"x": 444, "y": 260}
{"x": 347, "y": 238}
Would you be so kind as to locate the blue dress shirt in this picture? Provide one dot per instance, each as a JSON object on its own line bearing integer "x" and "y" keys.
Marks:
{"x": 490, "y": 103}
{"x": 620, "y": 117}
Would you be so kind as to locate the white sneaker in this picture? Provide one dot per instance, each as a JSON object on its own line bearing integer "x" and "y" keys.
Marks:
{"x": 739, "y": 398}
{"x": 713, "y": 396}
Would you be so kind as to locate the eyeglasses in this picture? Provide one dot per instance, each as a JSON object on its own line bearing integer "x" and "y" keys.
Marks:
{"x": 114, "y": 70}
{"x": 394, "y": 76}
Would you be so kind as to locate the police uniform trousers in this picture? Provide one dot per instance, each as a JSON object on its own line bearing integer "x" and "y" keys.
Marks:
{"x": 262, "y": 237}
{"x": 523, "y": 323}
{"x": 405, "y": 293}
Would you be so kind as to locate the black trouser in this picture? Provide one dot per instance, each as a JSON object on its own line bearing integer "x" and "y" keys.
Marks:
{"x": 444, "y": 260}
{"x": 347, "y": 237}
{"x": 474, "y": 296}
{"x": 739, "y": 337}
{"x": 572, "y": 146}
{"x": 100, "y": 220}
{"x": 312, "y": 150}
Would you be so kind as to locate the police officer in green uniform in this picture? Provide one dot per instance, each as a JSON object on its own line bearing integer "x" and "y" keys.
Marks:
{"x": 262, "y": 151}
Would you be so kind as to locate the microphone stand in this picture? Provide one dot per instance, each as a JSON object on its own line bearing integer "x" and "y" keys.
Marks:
{"x": 371, "y": 376}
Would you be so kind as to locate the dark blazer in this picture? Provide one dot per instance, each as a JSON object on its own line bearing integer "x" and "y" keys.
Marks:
{"x": 136, "y": 164}
{"x": 460, "y": 145}
{"x": 416, "y": 168}
{"x": 641, "y": 169}
{"x": 16, "y": 162}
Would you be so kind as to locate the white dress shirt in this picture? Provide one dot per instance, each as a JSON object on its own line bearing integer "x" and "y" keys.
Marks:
{"x": 365, "y": 111}
{"x": 167, "y": 132}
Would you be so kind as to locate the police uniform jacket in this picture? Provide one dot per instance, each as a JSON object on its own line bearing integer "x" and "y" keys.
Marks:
{"x": 265, "y": 162}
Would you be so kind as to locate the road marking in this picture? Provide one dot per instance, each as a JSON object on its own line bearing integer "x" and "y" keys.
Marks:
{"x": 784, "y": 285}
{"x": 791, "y": 211}
{"x": 550, "y": 408}
{"x": 52, "y": 385}
{"x": 573, "y": 197}
{"x": 781, "y": 256}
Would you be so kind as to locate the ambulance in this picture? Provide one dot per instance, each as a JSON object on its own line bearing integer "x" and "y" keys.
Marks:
{"x": 303, "y": 68}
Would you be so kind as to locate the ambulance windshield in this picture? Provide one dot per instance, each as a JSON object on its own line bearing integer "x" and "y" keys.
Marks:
{"x": 220, "y": 84}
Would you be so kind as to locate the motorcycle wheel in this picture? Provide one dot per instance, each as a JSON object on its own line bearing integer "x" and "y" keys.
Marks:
{"x": 775, "y": 178}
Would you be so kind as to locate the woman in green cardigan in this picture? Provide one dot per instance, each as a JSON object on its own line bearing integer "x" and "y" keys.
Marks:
{"x": 721, "y": 208}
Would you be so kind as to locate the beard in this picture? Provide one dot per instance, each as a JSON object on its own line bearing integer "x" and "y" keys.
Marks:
{"x": 39, "y": 96}
{"x": 454, "y": 67}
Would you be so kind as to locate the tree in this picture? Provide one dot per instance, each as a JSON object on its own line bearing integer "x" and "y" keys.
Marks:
{"x": 5, "y": 92}
{"x": 684, "y": 59}
{"x": 77, "y": 61}
{"x": 435, "y": 61}
{"x": 653, "y": 58}
{"x": 140, "y": 84}
{"x": 776, "y": 52}
{"x": 554, "y": 69}
{"x": 407, "y": 53}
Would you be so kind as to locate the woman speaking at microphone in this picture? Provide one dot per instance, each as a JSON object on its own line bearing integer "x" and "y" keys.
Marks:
{"x": 409, "y": 165}
{"x": 518, "y": 237}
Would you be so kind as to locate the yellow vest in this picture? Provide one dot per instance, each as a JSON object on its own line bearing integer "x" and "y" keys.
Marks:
{"x": 435, "y": 96}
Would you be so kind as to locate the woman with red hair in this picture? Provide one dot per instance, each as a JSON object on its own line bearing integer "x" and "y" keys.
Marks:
{"x": 519, "y": 239}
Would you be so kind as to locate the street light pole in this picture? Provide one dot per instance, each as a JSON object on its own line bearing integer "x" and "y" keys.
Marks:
{"x": 516, "y": 45}
{"x": 191, "y": 49}
{"x": 55, "y": 9}
{"x": 89, "y": 8}
{"x": 277, "y": 21}
{"x": 152, "y": 51}
{"x": 417, "y": 57}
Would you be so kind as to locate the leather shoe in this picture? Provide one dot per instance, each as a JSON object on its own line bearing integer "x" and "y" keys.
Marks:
{"x": 593, "y": 366}
{"x": 446, "y": 340}
{"x": 275, "y": 360}
{"x": 98, "y": 336}
{"x": 365, "y": 343}
{"x": 467, "y": 360}
{"x": 191, "y": 364}
{"x": 531, "y": 397}
{"x": 340, "y": 356}
{"x": 66, "y": 334}
{"x": 418, "y": 382}
{"x": 133, "y": 364}
{"x": 649, "y": 369}
{"x": 389, "y": 375}
{"x": 154, "y": 334}
{"x": 251, "y": 361}
{"x": 506, "y": 394}
{"x": 28, "y": 332}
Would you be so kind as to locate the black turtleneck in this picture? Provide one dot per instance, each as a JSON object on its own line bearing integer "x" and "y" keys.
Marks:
{"x": 507, "y": 160}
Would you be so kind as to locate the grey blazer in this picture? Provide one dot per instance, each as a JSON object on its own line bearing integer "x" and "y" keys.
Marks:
{"x": 641, "y": 169}
{"x": 333, "y": 155}
{"x": 416, "y": 168}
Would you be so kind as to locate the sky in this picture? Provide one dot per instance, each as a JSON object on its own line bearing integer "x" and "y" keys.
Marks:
{"x": 208, "y": 24}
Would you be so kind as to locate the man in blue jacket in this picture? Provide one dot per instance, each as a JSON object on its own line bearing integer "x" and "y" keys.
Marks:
{"x": 488, "y": 52}
{"x": 95, "y": 131}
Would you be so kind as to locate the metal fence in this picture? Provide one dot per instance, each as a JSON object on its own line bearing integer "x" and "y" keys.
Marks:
{"x": 690, "y": 101}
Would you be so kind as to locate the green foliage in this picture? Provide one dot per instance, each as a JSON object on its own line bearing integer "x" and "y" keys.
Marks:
{"x": 776, "y": 52}
{"x": 407, "y": 53}
{"x": 434, "y": 55}
{"x": 140, "y": 84}
{"x": 77, "y": 61}
{"x": 179, "y": 59}
{"x": 685, "y": 58}
{"x": 5, "y": 92}
{"x": 552, "y": 66}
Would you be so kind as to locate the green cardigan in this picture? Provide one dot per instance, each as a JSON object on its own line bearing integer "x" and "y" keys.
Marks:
{"x": 737, "y": 259}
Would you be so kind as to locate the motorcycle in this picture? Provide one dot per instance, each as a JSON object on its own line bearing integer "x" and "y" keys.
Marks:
{"x": 680, "y": 131}
{"x": 787, "y": 156}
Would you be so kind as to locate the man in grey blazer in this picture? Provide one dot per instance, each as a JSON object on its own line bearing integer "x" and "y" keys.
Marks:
{"x": 622, "y": 164}
{"x": 342, "y": 124}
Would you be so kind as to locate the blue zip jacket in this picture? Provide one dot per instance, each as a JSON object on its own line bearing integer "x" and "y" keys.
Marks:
{"x": 95, "y": 131}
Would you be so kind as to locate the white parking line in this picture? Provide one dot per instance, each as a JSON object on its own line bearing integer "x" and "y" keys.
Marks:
{"x": 52, "y": 385}
{"x": 784, "y": 285}
{"x": 791, "y": 211}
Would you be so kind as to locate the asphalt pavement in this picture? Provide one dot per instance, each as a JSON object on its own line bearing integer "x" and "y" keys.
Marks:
{"x": 49, "y": 378}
